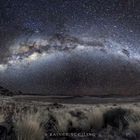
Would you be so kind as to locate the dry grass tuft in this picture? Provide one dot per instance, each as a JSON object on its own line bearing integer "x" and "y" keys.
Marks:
{"x": 134, "y": 123}
{"x": 28, "y": 128}
{"x": 1, "y": 118}
{"x": 135, "y": 127}
{"x": 95, "y": 118}
{"x": 63, "y": 120}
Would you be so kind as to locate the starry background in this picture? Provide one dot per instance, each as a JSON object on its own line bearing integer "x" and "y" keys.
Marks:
{"x": 18, "y": 17}
{"x": 118, "y": 19}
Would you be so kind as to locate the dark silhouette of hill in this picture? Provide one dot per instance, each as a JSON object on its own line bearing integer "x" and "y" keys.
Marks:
{"x": 5, "y": 91}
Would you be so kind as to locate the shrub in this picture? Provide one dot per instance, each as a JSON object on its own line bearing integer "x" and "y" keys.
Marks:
{"x": 115, "y": 117}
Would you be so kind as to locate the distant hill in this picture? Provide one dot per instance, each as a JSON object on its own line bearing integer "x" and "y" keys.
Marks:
{"x": 5, "y": 91}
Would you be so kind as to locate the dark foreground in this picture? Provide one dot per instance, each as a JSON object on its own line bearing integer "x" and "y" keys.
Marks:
{"x": 82, "y": 118}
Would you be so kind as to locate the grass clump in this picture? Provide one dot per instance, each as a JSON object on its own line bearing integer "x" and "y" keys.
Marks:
{"x": 28, "y": 128}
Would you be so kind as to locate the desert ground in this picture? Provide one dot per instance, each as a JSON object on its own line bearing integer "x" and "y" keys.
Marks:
{"x": 77, "y": 99}
{"x": 60, "y": 118}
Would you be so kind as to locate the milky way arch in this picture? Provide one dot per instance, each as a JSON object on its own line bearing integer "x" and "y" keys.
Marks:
{"x": 63, "y": 64}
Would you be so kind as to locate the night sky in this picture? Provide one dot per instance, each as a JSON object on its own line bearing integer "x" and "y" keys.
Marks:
{"x": 70, "y": 47}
